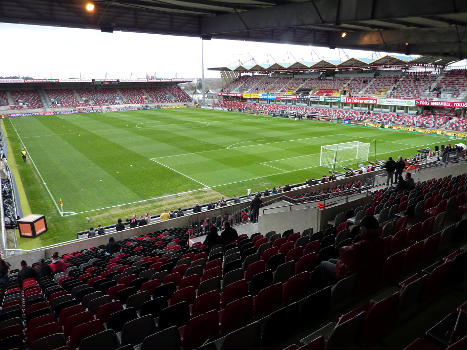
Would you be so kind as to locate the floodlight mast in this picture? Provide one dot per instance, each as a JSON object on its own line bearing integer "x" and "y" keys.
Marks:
{"x": 203, "y": 84}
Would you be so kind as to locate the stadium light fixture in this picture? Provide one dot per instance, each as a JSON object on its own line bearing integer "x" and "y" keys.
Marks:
{"x": 343, "y": 35}
{"x": 90, "y": 7}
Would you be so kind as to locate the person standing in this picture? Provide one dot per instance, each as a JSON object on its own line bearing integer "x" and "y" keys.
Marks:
{"x": 400, "y": 166}
{"x": 254, "y": 208}
{"x": 23, "y": 155}
{"x": 390, "y": 167}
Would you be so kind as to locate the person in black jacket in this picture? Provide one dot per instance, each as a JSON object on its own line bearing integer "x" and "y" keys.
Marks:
{"x": 254, "y": 208}
{"x": 120, "y": 225}
{"x": 44, "y": 269}
{"x": 26, "y": 272}
{"x": 229, "y": 234}
{"x": 196, "y": 208}
{"x": 212, "y": 237}
{"x": 400, "y": 165}
{"x": 390, "y": 167}
{"x": 112, "y": 247}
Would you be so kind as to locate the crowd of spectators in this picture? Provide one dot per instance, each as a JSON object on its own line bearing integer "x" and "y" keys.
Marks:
{"x": 62, "y": 97}
{"x": 26, "y": 99}
{"x": 427, "y": 119}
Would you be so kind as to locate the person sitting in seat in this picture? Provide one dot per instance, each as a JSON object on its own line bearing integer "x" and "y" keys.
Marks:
{"x": 57, "y": 265}
{"x": 229, "y": 234}
{"x": 112, "y": 247}
{"x": 212, "y": 237}
{"x": 26, "y": 272}
{"x": 365, "y": 256}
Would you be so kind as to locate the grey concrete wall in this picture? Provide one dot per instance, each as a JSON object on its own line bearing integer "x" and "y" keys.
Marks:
{"x": 304, "y": 220}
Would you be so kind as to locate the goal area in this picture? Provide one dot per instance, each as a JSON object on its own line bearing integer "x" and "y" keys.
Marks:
{"x": 344, "y": 153}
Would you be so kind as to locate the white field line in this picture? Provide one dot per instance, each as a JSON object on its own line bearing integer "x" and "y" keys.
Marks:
{"x": 271, "y": 166}
{"x": 138, "y": 201}
{"x": 251, "y": 145}
{"x": 37, "y": 170}
{"x": 180, "y": 173}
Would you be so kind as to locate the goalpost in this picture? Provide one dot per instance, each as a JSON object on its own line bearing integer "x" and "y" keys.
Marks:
{"x": 341, "y": 153}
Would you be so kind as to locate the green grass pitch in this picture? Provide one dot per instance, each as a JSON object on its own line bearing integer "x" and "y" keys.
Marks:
{"x": 109, "y": 165}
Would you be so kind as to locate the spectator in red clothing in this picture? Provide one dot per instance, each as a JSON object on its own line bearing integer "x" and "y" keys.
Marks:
{"x": 365, "y": 256}
{"x": 57, "y": 264}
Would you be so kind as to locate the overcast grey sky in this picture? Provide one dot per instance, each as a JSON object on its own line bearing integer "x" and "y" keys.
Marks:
{"x": 54, "y": 52}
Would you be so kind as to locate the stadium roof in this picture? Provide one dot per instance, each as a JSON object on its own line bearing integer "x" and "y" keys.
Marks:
{"x": 425, "y": 27}
{"x": 395, "y": 61}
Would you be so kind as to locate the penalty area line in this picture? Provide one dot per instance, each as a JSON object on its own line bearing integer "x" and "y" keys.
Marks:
{"x": 180, "y": 173}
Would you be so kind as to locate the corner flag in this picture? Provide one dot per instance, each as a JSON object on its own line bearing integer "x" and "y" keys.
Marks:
{"x": 61, "y": 204}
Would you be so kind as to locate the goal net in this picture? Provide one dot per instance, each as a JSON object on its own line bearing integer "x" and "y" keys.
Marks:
{"x": 344, "y": 153}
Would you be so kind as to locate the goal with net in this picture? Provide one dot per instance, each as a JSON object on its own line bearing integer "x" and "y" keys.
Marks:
{"x": 344, "y": 153}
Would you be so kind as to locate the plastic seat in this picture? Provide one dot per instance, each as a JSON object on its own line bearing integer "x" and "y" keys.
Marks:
{"x": 168, "y": 338}
{"x": 343, "y": 289}
{"x": 165, "y": 290}
{"x": 134, "y": 331}
{"x": 254, "y": 268}
{"x": 214, "y": 272}
{"x": 104, "y": 311}
{"x": 209, "y": 285}
{"x": 173, "y": 277}
{"x": 105, "y": 340}
{"x": 296, "y": 287}
{"x": 274, "y": 261}
{"x": 381, "y": 317}
{"x": 260, "y": 281}
{"x": 192, "y": 280}
{"x": 38, "y": 321}
{"x": 247, "y": 337}
{"x": 205, "y": 302}
{"x": 199, "y": 329}
{"x": 236, "y": 314}
{"x": 234, "y": 291}
{"x": 150, "y": 286}
{"x": 393, "y": 267}
{"x": 430, "y": 247}
{"x": 267, "y": 299}
{"x": 12, "y": 331}
{"x": 93, "y": 305}
{"x": 280, "y": 322}
{"x": 187, "y": 294}
{"x": 117, "y": 319}
{"x": 284, "y": 271}
{"x": 84, "y": 330}
{"x": 284, "y": 248}
{"x": 294, "y": 254}
{"x": 72, "y": 321}
{"x": 53, "y": 341}
{"x": 306, "y": 263}
{"x": 232, "y": 276}
{"x": 268, "y": 253}
{"x": 345, "y": 334}
{"x": 398, "y": 241}
{"x": 312, "y": 247}
{"x": 174, "y": 315}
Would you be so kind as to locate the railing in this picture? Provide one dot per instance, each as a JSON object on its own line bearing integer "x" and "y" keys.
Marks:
{"x": 326, "y": 200}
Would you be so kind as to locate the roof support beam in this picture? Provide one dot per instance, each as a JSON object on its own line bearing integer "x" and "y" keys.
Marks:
{"x": 324, "y": 12}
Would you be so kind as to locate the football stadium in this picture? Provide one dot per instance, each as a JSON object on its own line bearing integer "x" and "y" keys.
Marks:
{"x": 301, "y": 205}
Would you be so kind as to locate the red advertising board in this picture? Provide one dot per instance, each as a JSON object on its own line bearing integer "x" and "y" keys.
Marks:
{"x": 286, "y": 97}
{"x": 369, "y": 101}
{"x": 441, "y": 104}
